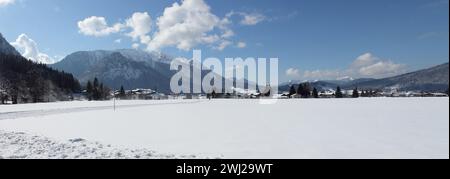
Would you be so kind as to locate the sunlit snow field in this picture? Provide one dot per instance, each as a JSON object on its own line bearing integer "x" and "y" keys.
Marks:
{"x": 298, "y": 128}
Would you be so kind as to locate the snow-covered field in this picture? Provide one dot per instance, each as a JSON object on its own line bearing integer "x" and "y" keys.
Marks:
{"x": 303, "y": 128}
{"x": 18, "y": 145}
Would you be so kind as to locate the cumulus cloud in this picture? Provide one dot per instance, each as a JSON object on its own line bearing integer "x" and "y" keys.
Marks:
{"x": 141, "y": 25}
{"x": 186, "y": 25}
{"x": 293, "y": 73}
{"x": 6, "y": 2}
{"x": 183, "y": 25}
{"x": 364, "y": 66}
{"x": 368, "y": 65}
{"x": 30, "y": 50}
{"x": 97, "y": 26}
{"x": 364, "y": 60}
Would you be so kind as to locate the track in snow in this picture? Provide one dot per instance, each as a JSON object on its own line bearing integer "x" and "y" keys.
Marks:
{"x": 46, "y": 112}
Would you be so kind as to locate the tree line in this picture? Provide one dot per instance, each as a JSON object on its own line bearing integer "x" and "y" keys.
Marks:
{"x": 305, "y": 90}
{"x": 97, "y": 91}
{"x": 25, "y": 81}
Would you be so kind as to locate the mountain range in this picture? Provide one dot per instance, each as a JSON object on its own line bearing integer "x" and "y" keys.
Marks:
{"x": 434, "y": 79}
{"x": 124, "y": 67}
{"x": 431, "y": 79}
{"x": 130, "y": 68}
{"x": 140, "y": 69}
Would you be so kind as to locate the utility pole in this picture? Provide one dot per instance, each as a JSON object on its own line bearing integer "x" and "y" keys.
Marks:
{"x": 114, "y": 93}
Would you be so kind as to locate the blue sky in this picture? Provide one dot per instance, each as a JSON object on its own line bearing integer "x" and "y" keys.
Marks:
{"x": 314, "y": 39}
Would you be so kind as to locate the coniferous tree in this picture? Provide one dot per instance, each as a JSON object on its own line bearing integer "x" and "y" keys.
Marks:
{"x": 307, "y": 90}
{"x": 90, "y": 91}
{"x": 304, "y": 90}
{"x": 355, "y": 93}
{"x": 315, "y": 93}
{"x": 292, "y": 91}
{"x": 96, "y": 91}
{"x": 339, "y": 92}
{"x": 122, "y": 92}
{"x": 29, "y": 81}
{"x": 300, "y": 90}
{"x": 101, "y": 90}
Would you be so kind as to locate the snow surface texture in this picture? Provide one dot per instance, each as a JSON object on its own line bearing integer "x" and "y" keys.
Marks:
{"x": 297, "y": 128}
{"x": 17, "y": 145}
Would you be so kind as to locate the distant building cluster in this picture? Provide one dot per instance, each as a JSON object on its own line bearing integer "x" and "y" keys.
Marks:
{"x": 355, "y": 93}
{"x": 139, "y": 94}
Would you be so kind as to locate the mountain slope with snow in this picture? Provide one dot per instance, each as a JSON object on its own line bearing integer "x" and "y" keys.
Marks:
{"x": 431, "y": 79}
{"x": 127, "y": 67}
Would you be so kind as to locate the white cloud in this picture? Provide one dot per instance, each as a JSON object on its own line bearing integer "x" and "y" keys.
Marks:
{"x": 381, "y": 69}
{"x": 4, "y": 3}
{"x": 118, "y": 41}
{"x": 30, "y": 50}
{"x": 252, "y": 19}
{"x": 186, "y": 25}
{"x": 141, "y": 25}
{"x": 368, "y": 65}
{"x": 222, "y": 45}
{"x": 228, "y": 33}
{"x": 293, "y": 73}
{"x": 183, "y": 25}
{"x": 364, "y": 60}
{"x": 365, "y": 66}
{"x": 97, "y": 26}
{"x": 241, "y": 45}
{"x": 247, "y": 18}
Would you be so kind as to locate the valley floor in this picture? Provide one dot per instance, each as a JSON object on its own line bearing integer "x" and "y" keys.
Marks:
{"x": 297, "y": 128}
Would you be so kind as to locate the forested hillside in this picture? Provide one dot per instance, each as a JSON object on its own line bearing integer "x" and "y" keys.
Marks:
{"x": 24, "y": 81}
